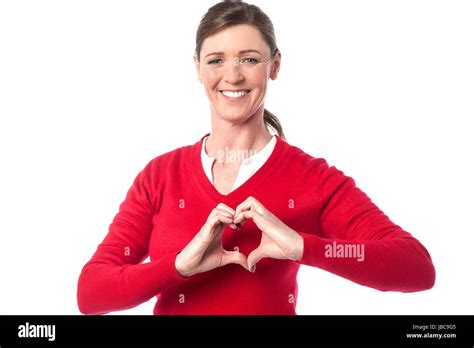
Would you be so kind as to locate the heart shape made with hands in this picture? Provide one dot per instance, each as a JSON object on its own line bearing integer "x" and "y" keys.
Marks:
{"x": 206, "y": 251}
{"x": 278, "y": 241}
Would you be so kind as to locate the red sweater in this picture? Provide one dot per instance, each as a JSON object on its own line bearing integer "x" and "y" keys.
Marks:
{"x": 171, "y": 198}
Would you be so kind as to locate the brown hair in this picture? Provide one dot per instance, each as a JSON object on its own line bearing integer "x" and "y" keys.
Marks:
{"x": 233, "y": 12}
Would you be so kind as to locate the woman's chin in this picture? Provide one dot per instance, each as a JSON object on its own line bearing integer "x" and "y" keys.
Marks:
{"x": 234, "y": 117}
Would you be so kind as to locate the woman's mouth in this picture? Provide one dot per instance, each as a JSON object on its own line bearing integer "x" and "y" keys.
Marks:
{"x": 235, "y": 95}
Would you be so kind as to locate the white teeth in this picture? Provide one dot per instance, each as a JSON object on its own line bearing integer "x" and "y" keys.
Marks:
{"x": 234, "y": 94}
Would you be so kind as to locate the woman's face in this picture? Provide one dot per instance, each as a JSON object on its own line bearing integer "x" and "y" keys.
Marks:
{"x": 227, "y": 64}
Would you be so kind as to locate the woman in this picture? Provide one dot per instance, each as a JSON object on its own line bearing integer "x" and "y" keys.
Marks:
{"x": 226, "y": 233}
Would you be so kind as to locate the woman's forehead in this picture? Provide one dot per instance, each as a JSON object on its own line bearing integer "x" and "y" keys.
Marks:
{"x": 235, "y": 39}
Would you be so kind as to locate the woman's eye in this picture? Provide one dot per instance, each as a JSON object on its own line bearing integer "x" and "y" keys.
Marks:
{"x": 251, "y": 60}
{"x": 246, "y": 60}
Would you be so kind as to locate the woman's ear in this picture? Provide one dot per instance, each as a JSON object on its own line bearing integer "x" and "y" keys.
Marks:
{"x": 198, "y": 65}
{"x": 276, "y": 65}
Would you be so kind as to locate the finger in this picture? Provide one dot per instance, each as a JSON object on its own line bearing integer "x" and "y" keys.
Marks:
{"x": 212, "y": 218}
{"x": 249, "y": 204}
{"x": 244, "y": 215}
{"x": 262, "y": 223}
{"x": 221, "y": 217}
{"x": 255, "y": 256}
{"x": 229, "y": 221}
{"x": 229, "y": 210}
{"x": 220, "y": 211}
{"x": 237, "y": 225}
{"x": 245, "y": 205}
{"x": 234, "y": 257}
{"x": 216, "y": 225}
{"x": 222, "y": 206}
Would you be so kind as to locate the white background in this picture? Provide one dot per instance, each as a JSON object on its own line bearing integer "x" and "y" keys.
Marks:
{"x": 90, "y": 91}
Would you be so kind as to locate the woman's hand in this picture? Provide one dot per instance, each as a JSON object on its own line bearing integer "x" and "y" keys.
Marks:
{"x": 205, "y": 251}
{"x": 278, "y": 240}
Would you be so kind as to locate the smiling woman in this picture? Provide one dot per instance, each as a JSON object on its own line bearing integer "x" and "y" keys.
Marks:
{"x": 221, "y": 41}
{"x": 228, "y": 234}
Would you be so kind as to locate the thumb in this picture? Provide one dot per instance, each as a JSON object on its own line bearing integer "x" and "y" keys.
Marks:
{"x": 255, "y": 256}
{"x": 234, "y": 257}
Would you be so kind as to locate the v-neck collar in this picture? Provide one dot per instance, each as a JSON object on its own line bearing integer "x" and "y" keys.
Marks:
{"x": 203, "y": 184}
{"x": 248, "y": 166}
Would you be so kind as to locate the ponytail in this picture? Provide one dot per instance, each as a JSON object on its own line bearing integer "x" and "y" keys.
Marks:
{"x": 273, "y": 122}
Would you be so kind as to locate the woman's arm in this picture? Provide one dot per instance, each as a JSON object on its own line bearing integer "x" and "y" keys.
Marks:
{"x": 114, "y": 278}
{"x": 360, "y": 243}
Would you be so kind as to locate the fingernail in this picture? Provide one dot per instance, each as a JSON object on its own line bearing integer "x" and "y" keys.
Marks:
{"x": 252, "y": 269}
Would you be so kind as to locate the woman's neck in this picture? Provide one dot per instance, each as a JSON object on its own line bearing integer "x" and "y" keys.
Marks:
{"x": 249, "y": 136}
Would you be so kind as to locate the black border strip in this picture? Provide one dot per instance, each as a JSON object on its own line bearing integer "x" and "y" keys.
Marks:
{"x": 291, "y": 331}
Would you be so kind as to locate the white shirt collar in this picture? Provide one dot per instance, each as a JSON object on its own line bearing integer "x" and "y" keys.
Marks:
{"x": 248, "y": 166}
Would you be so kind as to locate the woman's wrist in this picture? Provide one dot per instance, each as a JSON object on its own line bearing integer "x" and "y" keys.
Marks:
{"x": 299, "y": 248}
{"x": 181, "y": 270}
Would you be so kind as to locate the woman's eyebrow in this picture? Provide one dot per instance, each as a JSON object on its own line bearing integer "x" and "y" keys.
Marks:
{"x": 240, "y": 52}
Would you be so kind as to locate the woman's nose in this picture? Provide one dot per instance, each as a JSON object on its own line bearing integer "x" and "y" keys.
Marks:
{"x": 233, "y": 72}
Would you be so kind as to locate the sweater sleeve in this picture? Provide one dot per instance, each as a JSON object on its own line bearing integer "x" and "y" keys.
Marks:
{"x": 115, "y": 278}
{"x": 388, "y": 258}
